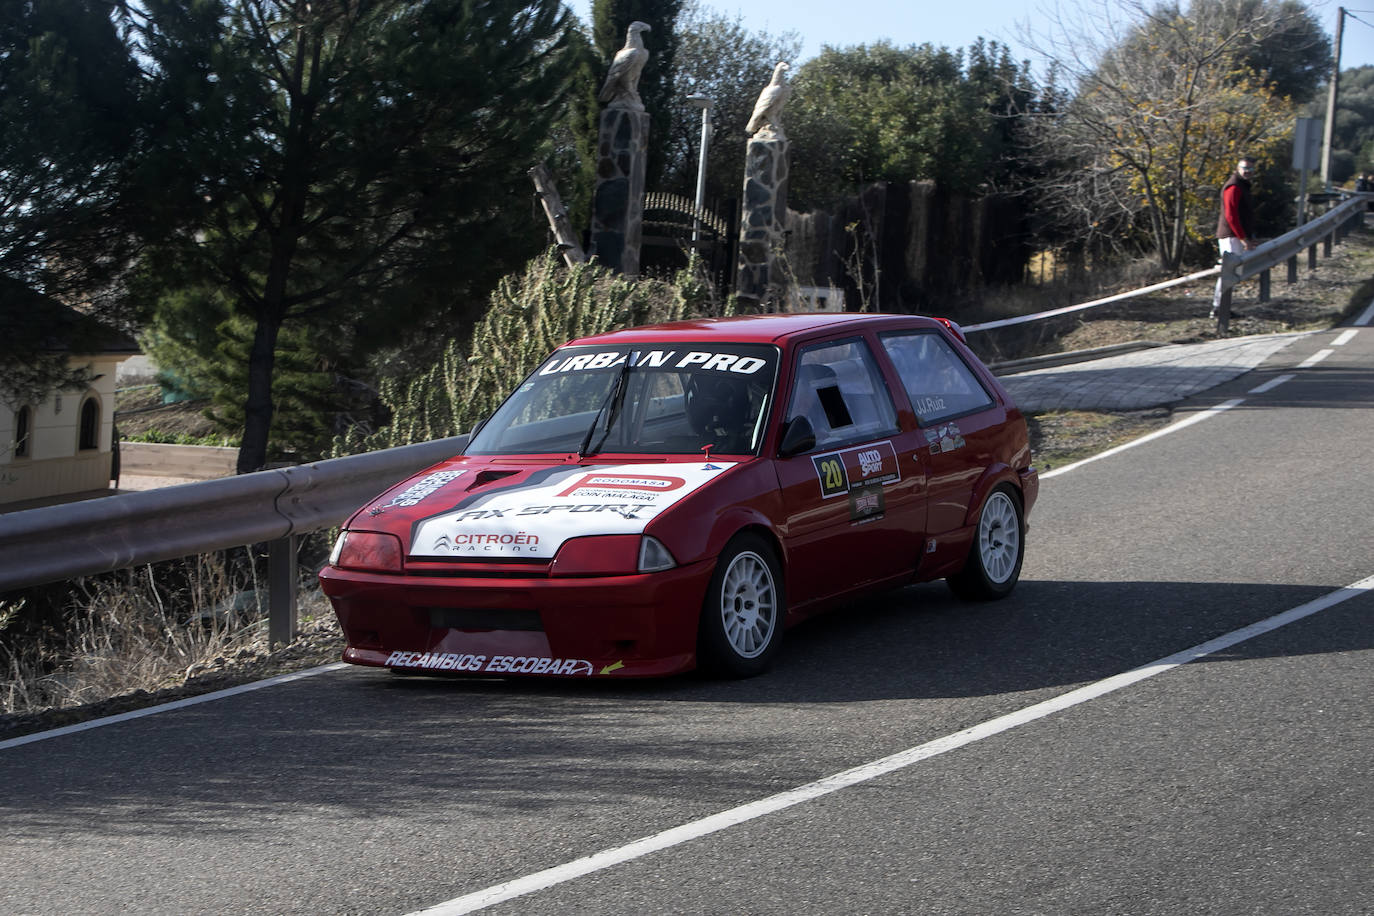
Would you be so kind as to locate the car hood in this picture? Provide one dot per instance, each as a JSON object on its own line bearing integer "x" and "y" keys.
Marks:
{"x": 513, "y": 511}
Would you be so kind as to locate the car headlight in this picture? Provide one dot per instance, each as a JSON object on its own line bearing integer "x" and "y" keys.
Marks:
{"x": 611, "y": 555}
{"x": 367, "y": 550}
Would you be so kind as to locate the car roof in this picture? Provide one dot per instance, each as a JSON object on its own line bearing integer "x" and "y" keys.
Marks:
{"x": 773, "y": 328}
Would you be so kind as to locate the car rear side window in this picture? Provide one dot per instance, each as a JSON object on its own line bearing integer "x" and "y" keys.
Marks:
{"x": 839, "y": 388}
{"x": 937, "y": 380}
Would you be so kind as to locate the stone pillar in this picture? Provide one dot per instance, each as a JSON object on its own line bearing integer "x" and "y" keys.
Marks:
{"x": 618, "y": 201}
{"x": 764, "y": 212}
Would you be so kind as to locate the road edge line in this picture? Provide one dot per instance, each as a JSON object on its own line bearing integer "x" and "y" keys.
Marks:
{"x": 1148, "y": 437}
{"x": 168, "y": 707}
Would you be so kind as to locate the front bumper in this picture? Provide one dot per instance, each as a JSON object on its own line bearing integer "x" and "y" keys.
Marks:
{"x": 642, "y": 625}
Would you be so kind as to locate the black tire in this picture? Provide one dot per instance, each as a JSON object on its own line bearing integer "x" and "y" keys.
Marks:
{"x": 742, "y": 615}
{"x": 994, "y": 559}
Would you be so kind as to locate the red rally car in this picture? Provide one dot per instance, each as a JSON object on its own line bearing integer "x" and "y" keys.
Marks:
{"x": 661, "y": 498}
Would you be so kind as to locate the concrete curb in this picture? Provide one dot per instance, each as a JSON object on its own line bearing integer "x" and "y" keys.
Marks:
{"x": 1068, "y": 357}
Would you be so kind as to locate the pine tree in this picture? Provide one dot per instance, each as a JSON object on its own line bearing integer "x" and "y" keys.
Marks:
{"x": 68, "y": 116}
{"x": 362, "y": 166}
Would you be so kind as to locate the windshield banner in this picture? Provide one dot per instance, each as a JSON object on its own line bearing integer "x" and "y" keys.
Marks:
{"x": 580, "y": 360}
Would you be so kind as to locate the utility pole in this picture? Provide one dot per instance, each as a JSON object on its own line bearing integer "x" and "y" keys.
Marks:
{"x": 704, "y": 103}
{"x": 1331, "y": 103}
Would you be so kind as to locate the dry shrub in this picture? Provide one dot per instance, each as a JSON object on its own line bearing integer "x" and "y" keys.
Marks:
{"x": 140, "y": 629}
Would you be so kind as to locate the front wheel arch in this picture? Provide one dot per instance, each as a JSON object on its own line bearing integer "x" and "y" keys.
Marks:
{"x": 743, "y": 613}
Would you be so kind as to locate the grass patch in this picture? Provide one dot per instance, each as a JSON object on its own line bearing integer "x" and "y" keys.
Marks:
{"x": 156, "y": 436}
{"x": 139, "y": 632}
{"x": 1061, "y": 437}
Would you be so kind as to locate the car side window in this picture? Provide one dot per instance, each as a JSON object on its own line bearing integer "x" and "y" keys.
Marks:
{"x": 840, "y": 390}
{"x": 938, "y": 381}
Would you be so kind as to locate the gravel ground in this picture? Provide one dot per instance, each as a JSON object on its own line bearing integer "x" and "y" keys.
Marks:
{"x": 1341, "y": 285}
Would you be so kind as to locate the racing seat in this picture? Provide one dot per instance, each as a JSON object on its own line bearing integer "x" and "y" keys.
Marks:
{"x": 718, "y": 409}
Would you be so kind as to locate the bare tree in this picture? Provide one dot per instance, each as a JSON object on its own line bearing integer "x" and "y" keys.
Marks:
{"x": 1161, "y": 101}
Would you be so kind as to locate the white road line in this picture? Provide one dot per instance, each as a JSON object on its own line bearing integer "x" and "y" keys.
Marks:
{"x": 168, "y": 707}
{"x": 1272, "y": 383}
{"x": 1315, "y": 358}
{"x": 1366, "y": 316}
{"x": 724, "y": 820}
{"x": 1345, "y": 337}
{"x": 1171, "y": 428}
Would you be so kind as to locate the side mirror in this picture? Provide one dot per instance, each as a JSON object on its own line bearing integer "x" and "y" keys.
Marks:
{"x": 798, "y": 437}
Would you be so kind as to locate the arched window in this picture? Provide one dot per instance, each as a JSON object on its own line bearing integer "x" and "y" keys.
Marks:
{"x": 90, "y": 424}
{"x": 23, "y": 424}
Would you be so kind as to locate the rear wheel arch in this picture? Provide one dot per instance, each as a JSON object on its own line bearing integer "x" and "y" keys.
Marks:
{"x": 993, "y": 565}
{"x": 993, "y": 477}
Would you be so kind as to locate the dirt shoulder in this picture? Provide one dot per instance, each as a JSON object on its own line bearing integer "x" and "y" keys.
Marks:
{"x": 1341, "y": 286}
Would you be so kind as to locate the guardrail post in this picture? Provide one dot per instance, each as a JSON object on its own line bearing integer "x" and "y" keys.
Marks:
{"x": 1221, "y": 299}
{"x": 1293, "y": 269}
{"x": 1312, "y": 256}
{"x": 281, "y": 584}
{"x": 1264, "y": 286}
{"x": 1326, "y": 245}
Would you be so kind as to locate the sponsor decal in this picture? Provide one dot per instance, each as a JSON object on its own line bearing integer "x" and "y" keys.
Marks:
{"x": 533, "y": 520}
{"x": 866, "y": 503}
{"x": 865, "y": 466}
{"x": 705, "y": 361}
{"x": 601, "y": 483}
{"x": 625, "y": 509}
{"x": 495, "y": 664}
{"x": 946, "y": 438}
{"x": 413, "y": 494}
{"x": 870, "y": 461}
{"x": 504, "y": 543}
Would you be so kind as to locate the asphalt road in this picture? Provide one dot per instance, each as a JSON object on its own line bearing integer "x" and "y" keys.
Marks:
{"x": 1235, "y": 783}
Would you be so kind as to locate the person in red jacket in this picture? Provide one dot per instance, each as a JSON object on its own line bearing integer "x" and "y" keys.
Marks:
{"x": 1236, "y": 224}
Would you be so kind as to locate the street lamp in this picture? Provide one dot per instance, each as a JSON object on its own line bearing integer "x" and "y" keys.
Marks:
{"x": 704, "y": 103}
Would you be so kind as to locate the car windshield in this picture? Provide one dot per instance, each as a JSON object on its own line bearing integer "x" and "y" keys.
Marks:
{"x": 659, "y": 399}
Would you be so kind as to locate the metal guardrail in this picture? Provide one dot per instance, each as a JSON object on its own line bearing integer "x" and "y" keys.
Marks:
{"x": 52, "y": 543}
{"x": 1326, "y": 229}
{"x": 1065, "y": 310}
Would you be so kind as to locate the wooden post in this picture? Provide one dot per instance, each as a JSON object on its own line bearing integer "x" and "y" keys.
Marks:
{"x": 558, "y": 217}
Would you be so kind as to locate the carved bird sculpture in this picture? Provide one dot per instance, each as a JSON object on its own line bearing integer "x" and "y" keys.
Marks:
{"x": 621, "y": 89}
{"x": 767, "y": 118}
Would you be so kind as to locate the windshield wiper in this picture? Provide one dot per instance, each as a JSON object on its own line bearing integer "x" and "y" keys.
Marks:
{"x": 615, "y": 399}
